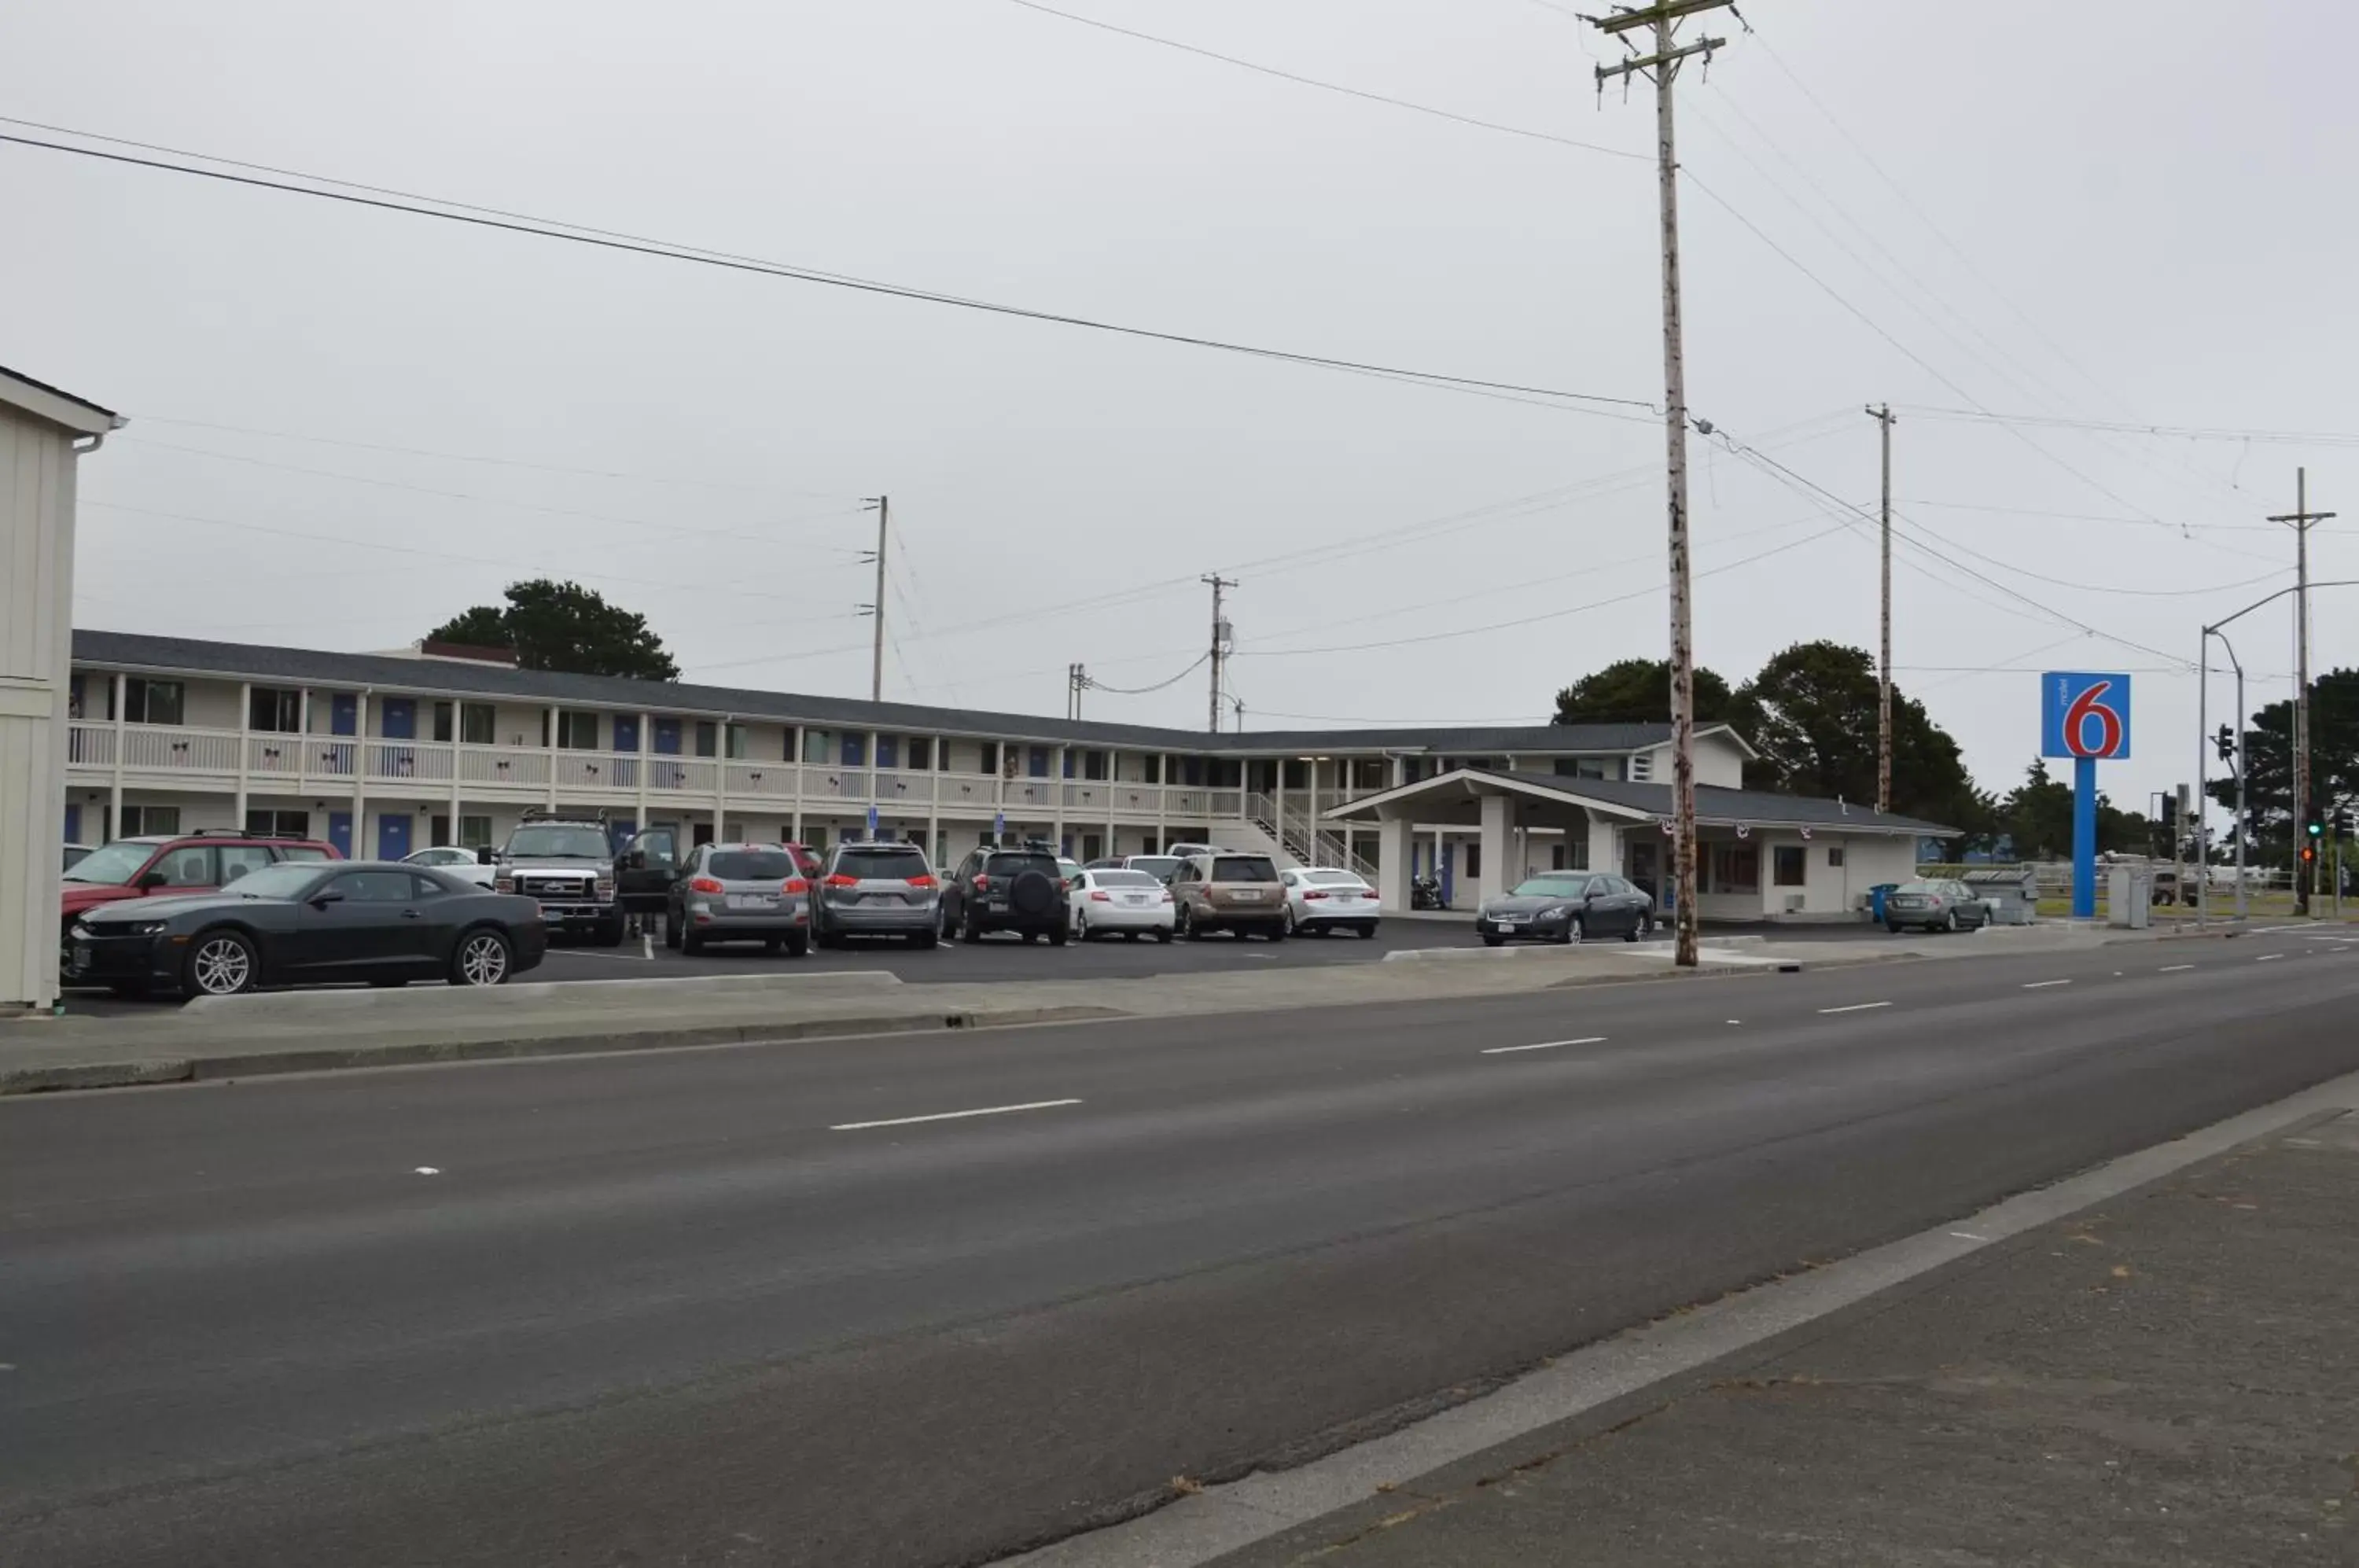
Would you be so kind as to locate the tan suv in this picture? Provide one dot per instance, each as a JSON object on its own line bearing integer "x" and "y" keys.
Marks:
{"x": 1231, "y": 892}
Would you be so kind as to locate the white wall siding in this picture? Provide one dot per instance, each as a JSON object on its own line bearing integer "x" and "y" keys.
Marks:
{"x": 37, "y": 518}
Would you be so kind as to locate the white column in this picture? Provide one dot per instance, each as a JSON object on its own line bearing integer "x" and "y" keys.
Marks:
{"x": 1392, "y": 863}
{"x": 244, "y": 720}
{"x": 795, "y": 739}
{"x": 646, "y": 739}
{"x": 552, "y": 756}
{"x": 1498, "y": 820}
{"x": 1056, "y": 795}
{"x": 115, "y": 802}
{"x": 363, "y": 849}
{"x": 1310, "y": 835}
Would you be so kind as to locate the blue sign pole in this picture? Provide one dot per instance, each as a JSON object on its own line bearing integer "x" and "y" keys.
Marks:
{"x": 2084, "y": 838}
{"x": 872, "y": 822}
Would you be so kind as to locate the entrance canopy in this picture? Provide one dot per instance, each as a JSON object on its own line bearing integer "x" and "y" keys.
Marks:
{"x": 1456, "y": 798}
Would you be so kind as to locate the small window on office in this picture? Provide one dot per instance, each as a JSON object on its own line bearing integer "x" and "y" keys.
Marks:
{"x": 1835, "y": 856}
{"x": 1788, "y": 865}
{"x": 148, "y": 702}
{"x": 275, "y": 709}
{"x": 137, "y": 819}
{"x": 1474, "y": 860}
{"x": 577, "y": 730}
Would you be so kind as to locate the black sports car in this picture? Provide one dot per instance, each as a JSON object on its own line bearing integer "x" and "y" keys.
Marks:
{"x": 300, "y": 923}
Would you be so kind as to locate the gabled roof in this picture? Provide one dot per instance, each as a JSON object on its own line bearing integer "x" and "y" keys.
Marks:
{"x": 55, "y": 407}
{"x": 1644, "y": 801}
{"x": 311, "y": 666}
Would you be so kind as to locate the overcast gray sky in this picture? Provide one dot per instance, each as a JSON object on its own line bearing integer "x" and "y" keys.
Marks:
{"x": 2145, "y": 202}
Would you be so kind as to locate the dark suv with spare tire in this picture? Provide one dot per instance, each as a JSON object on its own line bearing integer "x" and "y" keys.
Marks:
{"x": 1022, "y": 890}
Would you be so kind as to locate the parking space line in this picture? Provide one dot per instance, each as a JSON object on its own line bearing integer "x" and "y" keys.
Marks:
{"x": 1545, "y": 1045}
{"x": 2173, "y": 968}
{"x": 1856, "y": 1007}
{"x": 2043, "y": 984}
{"x": 954, "y": 1115}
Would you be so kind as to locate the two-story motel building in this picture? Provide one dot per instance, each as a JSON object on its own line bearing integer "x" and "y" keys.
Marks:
{"x": 385, "y": 753}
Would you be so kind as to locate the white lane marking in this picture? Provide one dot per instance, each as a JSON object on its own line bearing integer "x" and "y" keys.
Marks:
{"x": 1968, "y": 1236}
{"x": 2173, "y": 968}
{"x": 1856, "y": 1007}
{"x": 954, "y": 1115}
{"x": 1546, "y": 1045}
{"x": 2043, "y": 984}
{"x": 1736, "y": 1020}
{"x": 2264, "y": 957}
{"x": 429, "y": 1171}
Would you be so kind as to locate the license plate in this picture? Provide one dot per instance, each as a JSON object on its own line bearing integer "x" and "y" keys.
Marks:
{"x": 1248, "y": 898}
{"x": 752, "y": 902}
{"x": 1505, "y": 921}
{"x": 82, "y": 955}
{"x": 1135, "y": 898}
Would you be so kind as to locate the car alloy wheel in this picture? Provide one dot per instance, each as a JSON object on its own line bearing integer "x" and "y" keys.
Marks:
{"x": 223, "y": 965}
{"x": 1080, "y": 925}
{"x": 1292, "y": 928}
{"x": 483, "y": 959}
{"x": 1950, "y": 925}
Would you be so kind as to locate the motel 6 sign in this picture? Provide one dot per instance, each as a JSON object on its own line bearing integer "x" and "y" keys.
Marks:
{"x": 2084, "y": 716}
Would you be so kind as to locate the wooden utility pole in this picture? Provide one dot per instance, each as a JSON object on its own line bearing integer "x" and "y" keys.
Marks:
{"x": 1219, "y": 647}
{"x": 883, "y": 506}
{"x": 2301, "y": 519}
{"x": 1882, "y": 415}
{"x": 1663, "y": 17}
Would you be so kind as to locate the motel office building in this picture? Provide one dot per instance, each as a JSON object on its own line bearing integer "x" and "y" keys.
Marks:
{"x": 383, "y": 754}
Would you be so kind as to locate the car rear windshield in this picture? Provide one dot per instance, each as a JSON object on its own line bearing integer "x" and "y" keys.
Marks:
{"x": 548, "y": 840}
{"x": 1333, "y": 878}
{"x": 115, "y": 864}
{"x": 1917, "y": 888}
{"x": 1012, "y": 865}
{"x": 753, "y": 864}
{"x": 1124, "y": 879}
{"x": 1155, "y": 866}
{"x": 276, "y": 881}
{"x": 1244, "y": 868}
{"x": 881, "y": 865}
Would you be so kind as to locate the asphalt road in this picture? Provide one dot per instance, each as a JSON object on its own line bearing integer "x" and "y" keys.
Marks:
{"x": 730, "y": 1306}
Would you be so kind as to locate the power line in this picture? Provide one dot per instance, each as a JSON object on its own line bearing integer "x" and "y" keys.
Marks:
{"x": 2179, "y": 433}
{"x": 557, "y": 228}
{"x": 487, "y": 500}
{"x": 1094, "y": 684}
{"x": 1332, "y": 86}
{"x": 469, "y": 457}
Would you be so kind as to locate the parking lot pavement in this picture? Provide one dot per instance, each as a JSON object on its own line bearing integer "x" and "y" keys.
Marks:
{"x": 1006, "y": 957}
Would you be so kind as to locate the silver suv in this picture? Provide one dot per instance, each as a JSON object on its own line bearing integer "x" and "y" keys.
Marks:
{"x": 877, "y": 887}
{"x": 565, "y": 861}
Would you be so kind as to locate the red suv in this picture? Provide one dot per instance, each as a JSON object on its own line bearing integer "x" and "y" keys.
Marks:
{"x": 164, "y": 865}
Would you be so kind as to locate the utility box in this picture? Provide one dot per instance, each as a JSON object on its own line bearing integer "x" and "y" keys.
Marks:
{"x": 2011, "y": 893}
{"x": 2130, "y": 897}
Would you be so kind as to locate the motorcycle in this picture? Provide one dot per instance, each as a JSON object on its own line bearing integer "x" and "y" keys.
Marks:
{"x": 1425, "y": 893}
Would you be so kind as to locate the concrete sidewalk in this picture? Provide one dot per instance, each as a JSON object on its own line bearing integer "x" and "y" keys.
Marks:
{"x": 2166, "y": 1378}
{"x": 293, "y": 1031}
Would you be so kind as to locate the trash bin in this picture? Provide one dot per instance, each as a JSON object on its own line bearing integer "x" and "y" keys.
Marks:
{"x": 1876, "y": 896}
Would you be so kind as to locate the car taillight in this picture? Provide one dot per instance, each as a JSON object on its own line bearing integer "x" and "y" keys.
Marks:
{"x": 1167, "y": 895}
{"x": 1313, "y": 893}
{"x": 704, "y": 885}
{"x": 1100, "y": 896}
{"x": 840, "y": 880}
{"x": 794, "y": 885}
{"x": 982, "y": 883}
{"x": 921, "y": 882}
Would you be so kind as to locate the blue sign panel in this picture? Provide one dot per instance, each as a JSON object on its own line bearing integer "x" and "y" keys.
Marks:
{"x": 872, "y": 822}
{"x": 2084, "y": 715}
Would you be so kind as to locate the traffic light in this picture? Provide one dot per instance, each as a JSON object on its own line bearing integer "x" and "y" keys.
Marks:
{"x": 2308, "y": 853}
{"x": 2226, "y": 742}
{"x": 2315, "y": 829}
{"x": 2169, "y": 814}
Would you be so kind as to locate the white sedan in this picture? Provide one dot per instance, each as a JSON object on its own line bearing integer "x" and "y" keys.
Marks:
{"x": 1105, "y": 901}
{"x": 454, "y": 861}
{"x": 1319, "y": 898}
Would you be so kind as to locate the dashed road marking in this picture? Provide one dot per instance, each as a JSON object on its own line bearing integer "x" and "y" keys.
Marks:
{"x": 1548, "y": 1045}
{"x": 2173, "y": 968}
{"x": 2043, "y": 984}
{"x": 954, "y": 1115}
{"x": 1856, "y": 1007}
{"x": 2265, "y": 957}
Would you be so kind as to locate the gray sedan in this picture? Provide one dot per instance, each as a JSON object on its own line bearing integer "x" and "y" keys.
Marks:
{"x": 1565, "y": 906}
{"x": 1934, "y": 905}
{"x": 739, "y": 892}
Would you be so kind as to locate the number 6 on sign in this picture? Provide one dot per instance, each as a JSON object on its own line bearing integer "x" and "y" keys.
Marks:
{"x": 2084, "y": 715}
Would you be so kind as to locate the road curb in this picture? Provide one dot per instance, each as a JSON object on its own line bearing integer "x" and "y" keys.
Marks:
{"x": 66, "y": 1076}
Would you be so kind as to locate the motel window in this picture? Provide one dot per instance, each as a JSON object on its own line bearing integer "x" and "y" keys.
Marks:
{"x": 577, "y": 730}
{"x": 1788, "y": 865}
{"x": 277, "y": 710}
{"x": 1835, "y": 856}
{"x": 148, "y": 702}
{"x": 1737, "y": 868}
